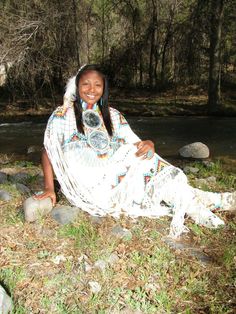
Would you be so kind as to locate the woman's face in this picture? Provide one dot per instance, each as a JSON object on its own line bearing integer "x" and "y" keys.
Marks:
{"x": 91, "y": 87}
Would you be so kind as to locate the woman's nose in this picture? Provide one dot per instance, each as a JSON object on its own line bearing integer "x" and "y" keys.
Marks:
{"x": 92, "y": 88}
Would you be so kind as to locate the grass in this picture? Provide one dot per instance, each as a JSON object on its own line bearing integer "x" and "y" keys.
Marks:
{"x": 44, "y": 266}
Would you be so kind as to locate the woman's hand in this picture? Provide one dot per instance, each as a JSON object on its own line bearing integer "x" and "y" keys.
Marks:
{"x": 145, "y": 150}
{"x": 45, "y": 194}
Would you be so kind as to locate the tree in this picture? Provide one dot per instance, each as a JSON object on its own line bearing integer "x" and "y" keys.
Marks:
{"x": 214, "y": 90}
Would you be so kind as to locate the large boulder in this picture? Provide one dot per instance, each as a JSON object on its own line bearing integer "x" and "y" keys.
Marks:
{"x": 195, "y": 150}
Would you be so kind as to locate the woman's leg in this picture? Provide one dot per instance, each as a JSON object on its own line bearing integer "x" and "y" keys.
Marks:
{"x": 212, "y": 200}
{"x": 184, "y": 199}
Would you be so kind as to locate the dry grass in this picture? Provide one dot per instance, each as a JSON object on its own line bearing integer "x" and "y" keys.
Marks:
{"x": 48, "y": 268}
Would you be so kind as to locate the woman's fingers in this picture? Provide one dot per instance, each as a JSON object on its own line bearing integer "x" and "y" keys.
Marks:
{"x": 145, "y": 149}
{"x": 44, "y": 195}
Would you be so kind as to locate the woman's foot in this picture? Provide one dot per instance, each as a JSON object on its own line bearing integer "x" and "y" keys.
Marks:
{"x": 228, "y": 201}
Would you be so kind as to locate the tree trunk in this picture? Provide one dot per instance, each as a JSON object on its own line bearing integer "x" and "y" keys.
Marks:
{"x": 153, "y": 43}
{"x": 214, "y": 92}
{"x": 74, "y": 4}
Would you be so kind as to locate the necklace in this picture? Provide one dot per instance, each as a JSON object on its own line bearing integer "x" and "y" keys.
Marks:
{"x": 97, "y": 138}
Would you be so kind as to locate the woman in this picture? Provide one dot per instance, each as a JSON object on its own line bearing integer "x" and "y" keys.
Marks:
{"x": 104, "y": 168}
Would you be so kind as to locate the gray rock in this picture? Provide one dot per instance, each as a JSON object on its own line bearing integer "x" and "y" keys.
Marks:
{"x": 23, "y": 189}
{"x": 95, "y": 287}
{"x": 5, "y": 196}
{"x": 65, "y": 214}
{"x": 112, "y": 259}
{"x": 211, "y": 179}
{"x": 208, "y": 163}
{"x": 6, "y": 304}
{"x": 189, "y": 169}
{"x": 3, "y": 178}
{"x": 101, "y": 264}
{"x": 201, "y": 182}
{"x": 34, "y": 149}
{"x": 195, "y": 150}
{"x": 96, "y": 220}
{"x": 121, "y": 232}
{"x": 187, "y": 248}
{"x": 35, "y": 209}
{"x": 20, "y": 177}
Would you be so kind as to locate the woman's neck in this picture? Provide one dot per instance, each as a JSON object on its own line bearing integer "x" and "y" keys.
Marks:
{"x": 89, "y": 106}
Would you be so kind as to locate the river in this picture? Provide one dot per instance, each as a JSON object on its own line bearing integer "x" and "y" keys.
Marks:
{"x": 168, "y": 133}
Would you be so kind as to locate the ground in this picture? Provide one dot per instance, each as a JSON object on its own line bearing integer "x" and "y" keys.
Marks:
{"x": 50, "y": 268}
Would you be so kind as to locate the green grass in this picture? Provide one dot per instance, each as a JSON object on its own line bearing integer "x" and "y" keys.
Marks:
{"x": 149, "y": 276}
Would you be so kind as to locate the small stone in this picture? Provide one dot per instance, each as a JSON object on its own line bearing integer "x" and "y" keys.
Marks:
{"x": 58, "y": 259}
{"x": 189, "y": 169}
{"x": 121, "y": 232}
{"x": 101, "y": 264}
{"x": 95, "y": 287}
{"x": 34, "y": 149}
{"x": 96, "y": 220}
{"x": 211, "y": 179}
{"x": 3, "y": 178}
{"x": 5, "y": 196}
{"x": 34, "y": 209}
{"x": 208, "y": 163}
{"x": 195, "y": 150}
{"x": 65, "y": 214}
{"x": 6, "y": 304}
{"x": 201, "y": 182}
{"x": 23, "y": 189}
{"x": 112, "y": 259}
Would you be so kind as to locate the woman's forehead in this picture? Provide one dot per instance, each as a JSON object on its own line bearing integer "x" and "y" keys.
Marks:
{"x": 91, "y": 75}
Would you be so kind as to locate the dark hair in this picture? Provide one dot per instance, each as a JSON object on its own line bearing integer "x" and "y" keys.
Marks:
{"x": 102, "y": 103}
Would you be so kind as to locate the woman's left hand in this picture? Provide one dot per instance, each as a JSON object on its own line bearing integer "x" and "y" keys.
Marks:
{"x": 146, "y": 149}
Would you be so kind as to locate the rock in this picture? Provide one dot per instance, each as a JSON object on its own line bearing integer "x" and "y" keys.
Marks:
{"x": 5, "y": 196}
{"x": 34, "y": 149}
{"x": 95, "y": 287}
{"x": 20, "y": 177}
{"x": 96, "y": 220}
{"x": 101, "y": 264}
{"x": 65, "y": 214}
{"x": 192, "y": 251}
{"x": 121, "y": 232}
{"x": 189, "y": 169}
{"x": 23, "y": 189}
{"x": 34, "y": 209}
{"x": 211, "y": 179}
{"x": 3, "y": 178}
{"x": 201, "y": 182}
{"x": 112, "y": 259}
{"x": 195, "y": 150}
{"x": 208, "y": 163}
{"x": 58, "y": 259}
{"x": 6, "y": 305}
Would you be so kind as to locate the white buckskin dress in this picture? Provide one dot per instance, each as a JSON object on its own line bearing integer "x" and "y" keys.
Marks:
{"x": 102, "y": 175}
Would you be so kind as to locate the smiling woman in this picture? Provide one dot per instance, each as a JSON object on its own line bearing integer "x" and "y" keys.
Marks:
{"x": 105, "y": 169}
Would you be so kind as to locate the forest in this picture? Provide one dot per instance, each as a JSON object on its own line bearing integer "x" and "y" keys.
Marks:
{"x": 146, "y": 45}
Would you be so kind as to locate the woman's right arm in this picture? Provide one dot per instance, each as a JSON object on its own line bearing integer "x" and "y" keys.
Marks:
{"x": 48, "y": 179}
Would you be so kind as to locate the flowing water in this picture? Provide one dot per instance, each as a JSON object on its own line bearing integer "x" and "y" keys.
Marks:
{"x": 168, "y": 133}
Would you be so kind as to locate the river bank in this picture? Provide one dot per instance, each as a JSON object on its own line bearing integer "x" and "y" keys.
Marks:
{"x": 135, "y": 103}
